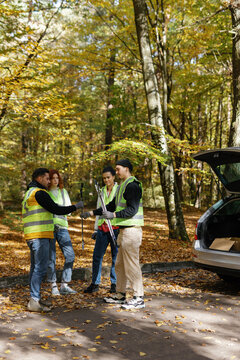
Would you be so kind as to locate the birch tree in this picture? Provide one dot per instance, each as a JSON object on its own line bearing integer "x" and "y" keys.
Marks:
{"x": 234, "y": 137}
{"x": 167, "y": 175}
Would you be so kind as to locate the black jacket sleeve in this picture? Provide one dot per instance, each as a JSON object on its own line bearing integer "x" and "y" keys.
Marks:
{"x": 110, "y": 207}
{"x": 132, "y": 195}
{"x": 45, "y": 200}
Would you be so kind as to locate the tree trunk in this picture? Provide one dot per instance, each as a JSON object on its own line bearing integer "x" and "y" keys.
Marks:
{"x": 234, "y": 136}
{"x": 1, "y": 202}
{"x": 23, "y": 170}
{"x": 110, "y": 84}
{"x": 170, "y": 192}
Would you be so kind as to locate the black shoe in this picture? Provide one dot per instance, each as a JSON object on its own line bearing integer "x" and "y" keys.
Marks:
{"x": 92, "y": 288}
{"x": 113, "y": 288}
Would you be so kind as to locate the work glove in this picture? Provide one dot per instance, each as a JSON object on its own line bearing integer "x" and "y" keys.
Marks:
{"x": 108, "y": 215}
{"x": 79, "y": 205}
{"x": 94, "y": 235}
{"x": 85, "y": 215}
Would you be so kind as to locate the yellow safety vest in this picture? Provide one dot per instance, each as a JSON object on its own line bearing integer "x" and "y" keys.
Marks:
{"x": 37, "y": 222}
{"x": 107, "y": 199}
{"x": 121, "y": 204}
{"x": 60, "y": 200}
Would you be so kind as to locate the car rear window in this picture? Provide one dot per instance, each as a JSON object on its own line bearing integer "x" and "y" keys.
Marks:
{"x": 229, "y": 174}
{"x": 231, "y": 208}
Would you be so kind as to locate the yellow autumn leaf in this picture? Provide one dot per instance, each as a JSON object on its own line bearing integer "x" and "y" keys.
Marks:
{"x": 142, "y": 354}
{"x": 92, "y": 349}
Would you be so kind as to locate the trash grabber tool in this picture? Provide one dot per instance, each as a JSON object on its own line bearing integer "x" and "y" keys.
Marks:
{"x": 104, "y": 209}
{"x": 81, "y": 196}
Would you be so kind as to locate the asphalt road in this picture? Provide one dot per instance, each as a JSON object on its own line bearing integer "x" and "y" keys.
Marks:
{"x": 188, "y": 315}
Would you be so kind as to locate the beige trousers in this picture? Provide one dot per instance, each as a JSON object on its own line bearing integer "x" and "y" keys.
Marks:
{"x": 127, "y": 264}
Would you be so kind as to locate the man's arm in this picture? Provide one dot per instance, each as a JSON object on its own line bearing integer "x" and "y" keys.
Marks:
{"x": 110, "y": 207}
{"x": 45, "y": 200}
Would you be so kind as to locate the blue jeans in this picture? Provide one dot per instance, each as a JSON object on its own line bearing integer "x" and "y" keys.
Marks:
{"x": 39, "y": 249}
{"x": 63, "y": 238}
{"x": 101, "y": 244}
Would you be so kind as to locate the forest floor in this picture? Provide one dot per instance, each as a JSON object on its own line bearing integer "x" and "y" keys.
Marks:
{"x": 156, "y": 245}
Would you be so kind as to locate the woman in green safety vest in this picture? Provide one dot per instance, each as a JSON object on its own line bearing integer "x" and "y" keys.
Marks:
{"x": 102, "y": 235}
{"x": 61, "y": 235}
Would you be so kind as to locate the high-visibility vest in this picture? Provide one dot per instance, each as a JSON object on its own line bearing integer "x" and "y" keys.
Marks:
{"x": 60, "y": 200}
{"x": 107, "y": 199}
{"x": 121, "y": 204}
{"x": 37, "y": 222}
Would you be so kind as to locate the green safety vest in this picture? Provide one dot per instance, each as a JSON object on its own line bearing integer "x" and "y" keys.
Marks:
{"x": 37, "y": 222}
{"x": 107, "y": 199}
{"x": 121, "y": 204}
{"x": 60, "y": 200}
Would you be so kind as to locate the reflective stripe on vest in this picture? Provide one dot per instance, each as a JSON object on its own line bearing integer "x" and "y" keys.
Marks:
{"x": 37, "y": 222}
{"x": 60, "y": 200}
{"x": 107, "y": 199}
{"x": 121, "y": 204}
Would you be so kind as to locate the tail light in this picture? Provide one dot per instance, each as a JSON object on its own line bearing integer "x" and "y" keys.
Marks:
{"x": 195, "y": 236}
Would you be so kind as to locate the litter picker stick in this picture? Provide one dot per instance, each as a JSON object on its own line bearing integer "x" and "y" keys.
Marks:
{"x": 81, "y": 195}
{"x": 104, "y": 209}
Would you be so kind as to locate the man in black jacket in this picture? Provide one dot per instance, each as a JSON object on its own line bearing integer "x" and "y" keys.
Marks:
{"x": 38, "y": 208}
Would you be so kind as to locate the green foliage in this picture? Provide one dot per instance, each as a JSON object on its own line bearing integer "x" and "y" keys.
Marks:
{"x": 137, "y": 151}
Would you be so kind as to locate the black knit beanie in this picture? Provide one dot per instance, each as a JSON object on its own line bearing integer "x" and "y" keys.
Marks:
{"x": 125, "y": 163}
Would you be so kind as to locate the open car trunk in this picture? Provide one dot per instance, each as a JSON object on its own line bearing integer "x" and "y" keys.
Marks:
{"x": 223, "y": 224}
{"x": 226, "y": 165}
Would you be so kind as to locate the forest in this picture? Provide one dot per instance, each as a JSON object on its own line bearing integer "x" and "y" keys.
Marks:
{"x": 87, "y": 82}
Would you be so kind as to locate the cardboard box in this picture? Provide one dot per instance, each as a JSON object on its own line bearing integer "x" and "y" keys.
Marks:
{"x": 236, "y": 245}
{"x": 223, "y": 244}
{"x": 226, "y": 244}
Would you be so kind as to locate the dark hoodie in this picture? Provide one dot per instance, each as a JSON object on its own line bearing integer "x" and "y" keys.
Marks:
{"x": 45, "y": 200}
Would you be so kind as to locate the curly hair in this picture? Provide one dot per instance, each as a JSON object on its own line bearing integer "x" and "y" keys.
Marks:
{"x": 51, "y": 173}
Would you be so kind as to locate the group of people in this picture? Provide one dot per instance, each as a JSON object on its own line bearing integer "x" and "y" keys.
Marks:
{"x": 45, "y": 206}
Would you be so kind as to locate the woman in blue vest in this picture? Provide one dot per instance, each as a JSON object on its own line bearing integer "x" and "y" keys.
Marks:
{"x": 102, "y": 235}
{"x": 61, "y": 235}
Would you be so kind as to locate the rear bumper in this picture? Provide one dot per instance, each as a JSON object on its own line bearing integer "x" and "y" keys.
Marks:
{"x": 221, "y": 262}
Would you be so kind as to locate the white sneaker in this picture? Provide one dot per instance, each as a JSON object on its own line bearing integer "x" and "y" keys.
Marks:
{"x": 64, "y": 290}
{"x": 55, "y": 291}
{"x": 136, "y": 302}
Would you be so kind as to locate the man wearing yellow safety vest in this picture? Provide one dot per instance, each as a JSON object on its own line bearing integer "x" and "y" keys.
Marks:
{"x": 38, "y": 209}
{"x": 126, "y": 211}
